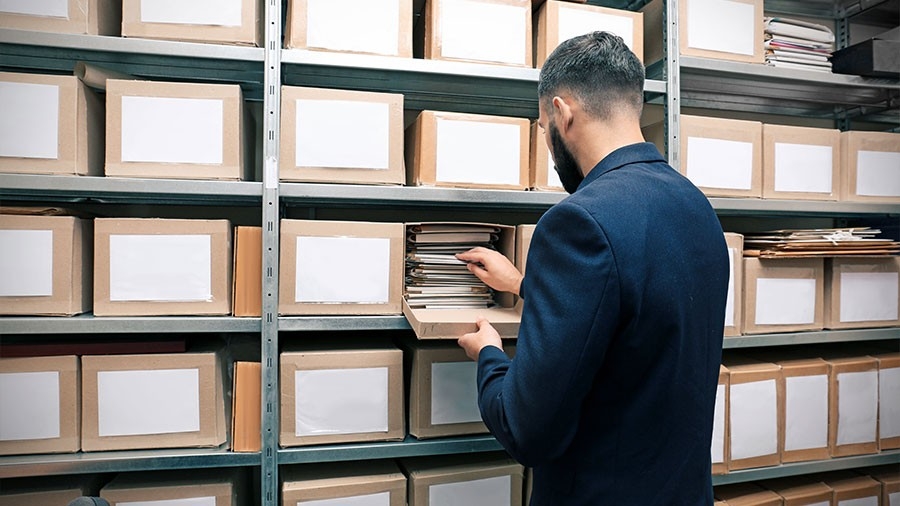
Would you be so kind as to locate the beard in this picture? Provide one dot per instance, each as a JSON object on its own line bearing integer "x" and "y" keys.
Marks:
{"x": 569, "y": 174}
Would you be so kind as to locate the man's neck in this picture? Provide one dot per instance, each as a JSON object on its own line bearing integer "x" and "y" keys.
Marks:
{"x": 598, "y": 140}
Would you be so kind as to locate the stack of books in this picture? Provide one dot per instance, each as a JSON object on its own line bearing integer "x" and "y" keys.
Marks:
{"x": 819, "y": 243}
{"x": 796, "y": 44}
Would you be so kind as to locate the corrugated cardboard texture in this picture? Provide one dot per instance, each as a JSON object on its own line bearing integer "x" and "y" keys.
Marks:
{"x": 851, "y": 144}
{"x": 296, "y": 30}
{"x": 840, "y": 366}
{"x": 795, "y": 368}
{"x": 801, "y": 491}
{"x": 834, "y": 267}
{"x": 547, "y": 36}
{"x": 432, "y": 24}
{"x": 347, "y": 479}
{"x": 220, "y": 249}
{"x": 735, "y": 244}
{"x": 725, "y": 129}
{"x": 249, "y": 33}
{"x": 780, "y": 134}
{"x": 172, "y": 486}
{"x": 423, "y": 473}
{"x": 246, "y": 410}
{"x": 747, "y": 494}
{"x": 539, "y": 160}
{"x": 782, "y": 268}
{"x": 847, "y": 487}
{"x": 247, "y": 295}
{"x": 86, "y": 17}
{"x": 749, "y": 371}
{"x": 288, "y": 169}
{"x": 722, "y": 467}
{"x": 886, "y": 362}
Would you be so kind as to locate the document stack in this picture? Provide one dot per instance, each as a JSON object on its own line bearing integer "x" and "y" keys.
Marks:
{"x": 819, "y": 243}
{"x": 797, "y": 44}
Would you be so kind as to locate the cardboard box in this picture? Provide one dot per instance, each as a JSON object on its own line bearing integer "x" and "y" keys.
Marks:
{"x": 40, "y": 402}
{"x": 341, "y": 267}
{"x": 358, "y": 483}
{"x": 165, "y": 400}
{"x": 747, "y": 494}
{"x": 853, "y": 406}
{"x": 783, "y": 295}
{"x": 801, "y": 163}
{"x": 48, "y": 491}
{"x": 805, "y": 410}
{"x": 875, "y": 57}
{"x": 483, "y": 31}
{"x": 888, "y": 401}
{"x": 855, "y": 490}
{"x": 86, "y": 17}
{"x": 889, "y": 477}
{"x": 523, "y": 244}
{"x": 542, "y": 173}
{"x": 560, "y": 21}
{"x": 756, "y": 422}
{"x": 316, "y": 125}
{"x": 871, "y": 166}
{"x": 801, "y": 491}
{"x": 359, "y": 26}
{"x": 655, "y": 133}
{"x": 238, "y": 22}
{"x": 247, "y": 294}
{"x": 45, "y": 265}
{"x": 162, "y": 267}
{"x": 720, "y": 441}
{"x": 341, "y": 395}
{"x": 176, "y": 130}
{"x": 51, "y": 125}
{"x": 448, "y": 480}
{"x": 467, "y": 151}
{"x": 722, "y": 157}
{"x": 862, "y": 292}
{"x": 198, "y": 487}
{"x": 246, "y": 417}
{"x": 734, "y": 305}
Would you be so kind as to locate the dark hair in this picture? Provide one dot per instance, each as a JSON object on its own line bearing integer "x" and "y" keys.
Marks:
{"x": 599, "y": 70}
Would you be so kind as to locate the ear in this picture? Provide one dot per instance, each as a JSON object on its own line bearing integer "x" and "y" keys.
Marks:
{"x": 563, "y": 110}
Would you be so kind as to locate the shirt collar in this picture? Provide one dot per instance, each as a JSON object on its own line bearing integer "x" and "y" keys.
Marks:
{"x": 640, "y": 152}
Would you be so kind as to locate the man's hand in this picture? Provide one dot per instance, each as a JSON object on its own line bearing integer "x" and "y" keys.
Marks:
{"x": 475, "y": 341}
{"x": 493, "y": 268}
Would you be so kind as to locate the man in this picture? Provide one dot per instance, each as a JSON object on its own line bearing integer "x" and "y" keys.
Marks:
{"x": 611, "y": 394}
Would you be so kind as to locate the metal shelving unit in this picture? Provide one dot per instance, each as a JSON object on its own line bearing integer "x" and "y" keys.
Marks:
{"x": 409, "y": 447}
{"x": 823, "y": 336}
{"x": 800, "y": 468}
{"x": 89, "y": 324}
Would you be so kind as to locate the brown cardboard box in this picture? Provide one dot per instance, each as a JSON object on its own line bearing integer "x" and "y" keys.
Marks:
{"x": 466, "y": 480}
{"x": 862, "y": 292}
{"x": 801, "y": 163}
{"x": 853, "y": 405}
{"x": 247, "y": 294}
{"x": 802, "y": 491}
{"x": 363, "y": 26}
{"x": 523, "y": 243}
{"x": 720, "y": 441}
{"x": 48, "y": 491}
{"x": 870, "y": 167}
{"x": 165, "y": 400}
{"x": 888, "y": 401}
{"x": 542, "y": 173}
{"x": 467, "y": 151}
{"x": 246, "y": 416}
{"x": 783, "y": 295}
{"x": 52, "y": 124}
{"x": 722, "y": 157}
{"x": 341, "y": 395}
{"x": 40, "y": 402}
{"x": 341, "y": 267}
{"x": 162, "y": 267}
{"x": 316, "y": 124}
{"x": 848, "y": 487}
{"x": 559, "y": 21}
{"x": 747, "y": 494}
{"x": 734, "y": 306}
{"x": 756, "y": 423}
{"x": 889, "y": 477}
{"x": 86, "y": 17}
{"x": 236, "y": 22}
{"x": 46, "y": 265}
{"x": 805, "y": 410}
{"x": 196, "y": 487}
{"x": 529, "y": 485}
{"x": 382, "y": 483}
{"x": 175, "y": 130}
{"x": 656, "y": 134}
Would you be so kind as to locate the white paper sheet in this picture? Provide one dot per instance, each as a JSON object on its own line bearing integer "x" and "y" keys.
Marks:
{"x": 729, "y": 300}
{"x": 368, "y": 26}
{"x": 718, "y": 437}
{"x": 343, "y": 270}
{"x": 195, "y": 12}
{"x": 485, "y": 492}
{"x": 889, "y": 402}
{"x": 803, "y": 168}
{"x": 806, "y": 416}
{"x": 483, "y": 31}
{"x": 552, "y": 175}
{"x": 477, "y": 152}
{"x": 170, "y": 268}
{"x": 29, "y": 405}
{"x": 193, "y": 501}
{"x": 719, "y": 163}
{"x": 341, "y": 401}
{"x": 863, "y": 501}
{"x": 26, "y": 263}
{"x": 29, "y": 124}
{"x": 164, "y": 401}
{"x": 172, "y": 130}
{"x": 785, "y": 301}
{"x": 869, "y": 296}
{"x": 721, "y": 25}
{"x": 857, "y": 407}
{"x": 46, "y": 8}
{"x": 754, "y": 419}
{"x": 575, "y": 22}
{"x": 454, "y": 393}
{"x": 894, "y": 499}
{"x": 878, "y": 174}
{"x": 343, "y": 134}
{"x": 380, "y": 499}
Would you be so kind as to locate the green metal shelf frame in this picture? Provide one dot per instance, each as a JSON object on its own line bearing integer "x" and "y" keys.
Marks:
{"x": 801, "y": 468}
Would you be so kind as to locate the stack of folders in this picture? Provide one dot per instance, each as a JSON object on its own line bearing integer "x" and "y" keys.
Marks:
{"x": 796, "y": 44}
{"x": 435, "y": 278}
{"x": 819, "y": 243}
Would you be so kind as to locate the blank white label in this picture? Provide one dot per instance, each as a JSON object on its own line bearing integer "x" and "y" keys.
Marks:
{"x": 193, "y": 501}
{"x": 380, "y": 499}
{"x": 484, "y": 492}
{"x": 785, "y": 301}
{"x": 729, "y": 300}
{"x": 195, "y": 12}
{"x": 869, "y": 296}
{"x": 719, "y": 163}
{"x": 29, "y": 405}
{"x": 803, "y": 168}
{"x": 26, "y": 263}
{"x": 343, "y": 134}
{"x": 552, "y": 175}
{"x": 575, "y": 22}
{"x": 722, "y": 25}
{"x": 29, "y": 125}
{"x": 822, "y": 503}
{"x": 483, "y": 31}
{"x": 166, "y": 268}
{"x": 863, "y": 501}
{"x": 894, "y": 499}
{"x": 172, "y": 130}
{"x": 478, "y": 152}
{"x": 806, "y": 412}
{"x": 857, "y": 407}
{"x": 878, "y": 174}
{"x": 889, "y": 402}
{"x": 754, "y": 419}
{"x": 132, "y": 403}
{"x": 45, "y": 8}
{"x": 454, "y": 393}
{"x": 343, "y": 270}
{"x": 718, "y": 434}
{"x": 341, "y": 401}
{"x": 366, "y": 26}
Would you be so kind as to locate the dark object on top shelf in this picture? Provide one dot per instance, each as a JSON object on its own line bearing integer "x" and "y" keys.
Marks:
{"x": 876, "y": 57}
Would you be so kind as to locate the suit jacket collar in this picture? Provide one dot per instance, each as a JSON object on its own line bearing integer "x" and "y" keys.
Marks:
{"x": 641, "y": 152}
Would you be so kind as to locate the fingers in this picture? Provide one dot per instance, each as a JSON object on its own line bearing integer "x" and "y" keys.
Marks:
{"x": 476, "y": 254}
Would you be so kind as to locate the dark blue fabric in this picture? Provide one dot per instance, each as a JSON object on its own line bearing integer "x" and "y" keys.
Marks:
{"x": 611, "y": 394}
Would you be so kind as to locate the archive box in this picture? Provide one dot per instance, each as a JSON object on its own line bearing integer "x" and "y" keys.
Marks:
{"x": 351, "y": 483}
{"x": 756, "y": 423}
{"x": 853, "y": 489}
{"x": 890, "y": 484}
{"x": 720, "y": 441}
{"x": 801, "y": 163}
{"x": 542, "y": 173}
{"x": 735, "y": 301}
{"x": 805, "y": 409}
{"x": 235, "y": 22}
{"x": 560, "y": 21}
{"x": 85, "y": 17}
{"x": 747, "y": 494}
{"x": 888, "y": 401}
{"x": 204, "y": 487}
{"x": 862, "y": 292}
{"x": 48, "y": 491}
{"x": 722, "y": 157}
{"x": 246, "y": 299}
{"x": 446, "y": 480}
{"x": 871, "y": 167}
{"x": 383, "y": 27}
{"x": 783, "y": 295}
{"x": 801, "y": 491}
{"x": 853, "y": 405}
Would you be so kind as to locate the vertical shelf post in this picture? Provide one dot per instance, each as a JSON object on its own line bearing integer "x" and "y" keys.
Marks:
{"x": 672, "y": 71}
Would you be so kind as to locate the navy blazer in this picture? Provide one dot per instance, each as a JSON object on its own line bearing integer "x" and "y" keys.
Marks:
{"x": 611, "y": 394}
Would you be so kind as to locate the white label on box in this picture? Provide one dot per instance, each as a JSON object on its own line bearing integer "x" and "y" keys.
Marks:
{"x": 729, "y": 301}
{"x": 718, "y": 434}
{"x": 869, "y": 296}
{"x": 366, "y": 26}
{"x": 722, "y": 25}
{"x": 552, "y": 175}
{"x": 133, "y": 403}
{"x": 454, "y": 393}
{"x": 29, "y": 125}
{"x": 823, "y": 503}
{"x": 785, "y": 301}
{"x": 165, "y": 268}
{"x": 754, "y": 419}
{"x": 720, "y": 163}
{"x": 343, "y": 270}
{"x": 857, "y": 407}
{"x": 478, "y": 152}
{"x": 192, "y": 501}
{"x": 325, "y": 126}
{"x": 878, "y": 174}
{"x": 889, "y": 402}
{"x": 29, "y": 405}
{"x": 483, "y": 31}
{"x": 44, "y": 8}
{"x": 894, "y": 499}
{"x": 380, "y": 499}
{"x": 803, "y": 168}
{"x": 341, "y": 401}
{"x": 806, "y": 412}
{"x": 195, "y": 12}
{"x": 485, "y": 492}
{"x": 26, "y": 263}
{"x": 575, "y": 22}
{"x": 172, "y": 130}
{"x": 863, "y": 501}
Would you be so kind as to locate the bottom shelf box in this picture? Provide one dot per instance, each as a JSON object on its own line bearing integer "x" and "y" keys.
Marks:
{"x": 458, "y": 480}
{"x": 175, "y": 488}
{"x": 352, "y": 483}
